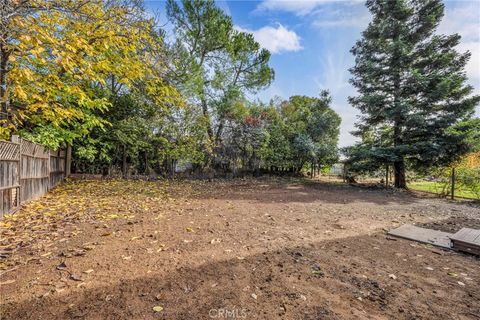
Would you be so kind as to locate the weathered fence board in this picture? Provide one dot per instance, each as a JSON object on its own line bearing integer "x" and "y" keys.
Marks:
{"x": 9, "y": 176}
{"x": 27, "y": 170}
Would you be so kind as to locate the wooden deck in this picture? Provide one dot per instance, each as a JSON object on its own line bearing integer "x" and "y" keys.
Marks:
{"x": 467, "y": 240}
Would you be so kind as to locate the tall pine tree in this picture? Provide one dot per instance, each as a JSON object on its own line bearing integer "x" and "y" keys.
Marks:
{"x": 412, "y": 88}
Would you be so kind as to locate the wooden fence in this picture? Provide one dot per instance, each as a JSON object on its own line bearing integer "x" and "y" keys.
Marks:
{"x": 28, "y": 170}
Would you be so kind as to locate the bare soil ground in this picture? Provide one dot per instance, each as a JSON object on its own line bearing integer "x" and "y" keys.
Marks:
{"x": 243, "y": 249}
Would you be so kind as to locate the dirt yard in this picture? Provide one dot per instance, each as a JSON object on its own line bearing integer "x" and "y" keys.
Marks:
{"x": 244, "y": 249}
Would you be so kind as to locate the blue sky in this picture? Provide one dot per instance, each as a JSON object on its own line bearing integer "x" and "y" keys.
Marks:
{"x": 310, "y": 42}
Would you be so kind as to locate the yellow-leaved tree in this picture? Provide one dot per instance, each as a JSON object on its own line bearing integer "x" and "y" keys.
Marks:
{"x": 57, "y": 56}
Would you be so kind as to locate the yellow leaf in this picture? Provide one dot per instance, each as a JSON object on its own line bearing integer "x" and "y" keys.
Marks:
{"x": 158, "y": 308}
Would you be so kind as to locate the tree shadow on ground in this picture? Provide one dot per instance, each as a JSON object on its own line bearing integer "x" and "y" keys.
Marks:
{"x": 308, "y": 191}
{"x": 311, "y": 191}
{"x": 346, "y": 278}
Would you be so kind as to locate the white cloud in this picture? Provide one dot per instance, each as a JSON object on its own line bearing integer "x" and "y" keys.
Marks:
{"x": 223, "y": 4}
{"x": 299, "y": 7}
{"x": 465, "y": 21}
{"x": 463, "y": 18}
{"x": 345, "y": 23}
{"x": 473, "y": 66}
{"x": 334, "y": 77}
{"x": 356, "y": 17}
{"x": 275, "y": 39}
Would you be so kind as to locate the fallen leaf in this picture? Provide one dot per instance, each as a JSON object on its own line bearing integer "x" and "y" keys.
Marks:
{"x": 88, "y": 271}
{"x": 254, "y": 296}
{"x": 392, "y": 276}
{"x": 189, "y": 229}
{"x": 461, "y": 283}
{"x": 158, "y": 308}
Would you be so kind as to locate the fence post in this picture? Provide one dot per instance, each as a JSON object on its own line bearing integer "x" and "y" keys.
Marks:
{"x": 15, "y": 138}
{"x": 68, "y": 160}
{"x": 453, "y": 183}
{"x": 386, "y": 175}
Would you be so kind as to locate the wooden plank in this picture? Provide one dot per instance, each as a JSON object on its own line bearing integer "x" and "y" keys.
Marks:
{"x": 468, "y": 235}
{"x": 433, "y": 237}
{"x": 467, "y": 240}
{"x": 2, "y": 209}
{"x": 10, "y": 187}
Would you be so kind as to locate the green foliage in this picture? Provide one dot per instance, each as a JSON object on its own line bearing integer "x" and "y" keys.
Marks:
{"x": 467, "y": 182}
{"x": 312, "y": 128}
{"x": 284, "y": 135}
{"x": 469, "y": 179}
{"x": 98, "y": 75}
{"x": 215, "y": 63}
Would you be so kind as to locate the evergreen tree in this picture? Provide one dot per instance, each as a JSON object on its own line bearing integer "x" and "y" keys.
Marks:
{"x": 412, "y": 90}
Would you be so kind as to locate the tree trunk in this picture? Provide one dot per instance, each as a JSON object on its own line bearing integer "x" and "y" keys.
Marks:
{"x": 124, "y": 162}
{"x": 398, "y": 165}
{"x": 147, "y": 171}
{"x": 218, "y": 135}
{"x": 3, "y": 86}
{"x": 386, "y": 175}
{"x": 400, "y": 181}
{"x": 68, "y": 160}
{"x": 207, "y": 116}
